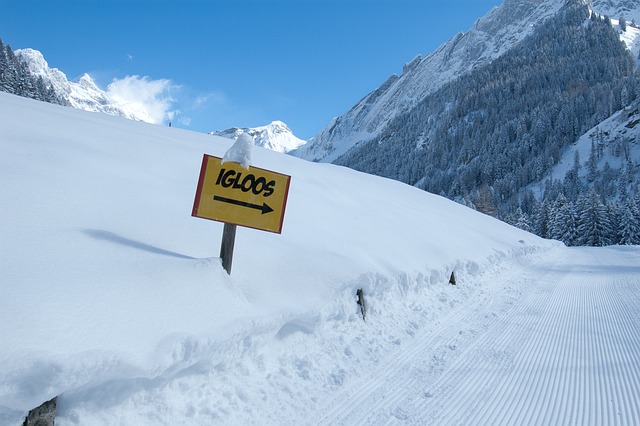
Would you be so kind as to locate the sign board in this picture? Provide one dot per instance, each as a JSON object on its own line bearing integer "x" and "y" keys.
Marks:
{"x": 229, "y": 193}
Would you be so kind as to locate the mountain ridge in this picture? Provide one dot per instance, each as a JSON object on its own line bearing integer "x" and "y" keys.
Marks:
{"x": 484, "y": 42}
{"x": 84, "y": 93}
{"x": 275, "y": 136}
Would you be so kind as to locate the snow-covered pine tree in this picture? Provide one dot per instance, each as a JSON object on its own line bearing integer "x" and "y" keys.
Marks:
{"x": 570, "y": 232}
{"x": 521, "y": 220}
{"x": 541, "y": 218}
{"x": 594, "y": 227}
{"x": 558, "y": 217}
{"x": 629, "y": 223}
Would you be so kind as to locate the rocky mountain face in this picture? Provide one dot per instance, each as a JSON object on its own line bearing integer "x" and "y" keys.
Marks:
{"x": 491, "y": 36}
{"x": 275, "y": 136}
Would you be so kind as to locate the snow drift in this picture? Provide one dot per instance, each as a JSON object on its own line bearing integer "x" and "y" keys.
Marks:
{"x": 113, "y": 296}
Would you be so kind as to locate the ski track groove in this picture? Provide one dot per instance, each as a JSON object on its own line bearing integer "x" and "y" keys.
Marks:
{"x": 368, "y": 390}
{"x": 567, "y": 353}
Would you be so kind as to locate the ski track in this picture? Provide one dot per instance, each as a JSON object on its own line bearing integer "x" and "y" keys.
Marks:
{"x": 562, "y": 348}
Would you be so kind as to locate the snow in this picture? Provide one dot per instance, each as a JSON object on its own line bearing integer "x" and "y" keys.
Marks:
{"x": 113, "y": 296}
{"x": 241, "y": 151}
{"x": 275, "y": 136}
{"x": 630, "y": 37}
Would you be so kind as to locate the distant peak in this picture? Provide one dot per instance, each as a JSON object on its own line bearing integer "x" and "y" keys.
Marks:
{"x": 275, "y": 136}
{"x": 34, "y": 57}
{"x": 86, "y": 81}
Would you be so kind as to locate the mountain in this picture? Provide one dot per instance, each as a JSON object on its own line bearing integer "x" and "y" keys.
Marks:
{"x": 491, "y": 36}
{"x": 83, "y": 94}
{"x": 500, "y": 111}
{"x": 275, "y": 136}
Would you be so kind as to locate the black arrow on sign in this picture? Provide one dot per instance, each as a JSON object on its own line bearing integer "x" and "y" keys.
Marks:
{"x": 264, "y": 207}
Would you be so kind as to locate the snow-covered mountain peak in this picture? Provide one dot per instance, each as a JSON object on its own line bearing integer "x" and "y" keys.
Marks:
{"x": 39, "y": 66}
{"x": 275, "y": 136}
{"x": 83, "y": 94}
{"x": 86, "y": 81}
{"x": 34, "y": 59}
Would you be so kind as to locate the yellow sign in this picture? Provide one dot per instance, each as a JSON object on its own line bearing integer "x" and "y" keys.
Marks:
{"x": 253, "y": 197}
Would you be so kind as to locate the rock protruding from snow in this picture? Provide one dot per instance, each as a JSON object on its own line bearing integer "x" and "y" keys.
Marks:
{"x": 44, "y": 415}
{"x": 275, "y": 136}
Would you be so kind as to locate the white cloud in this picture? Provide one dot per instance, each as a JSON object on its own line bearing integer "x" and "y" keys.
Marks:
{"x": 143, "y": 94}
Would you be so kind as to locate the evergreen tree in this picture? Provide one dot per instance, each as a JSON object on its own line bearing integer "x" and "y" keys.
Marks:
{"x": 558, "y": 218}
{"x": 629, "y": 223}
{"x": 541, "y": 219}
{"x": 521, "y": 221}
{"x": 614, "y": 216}
{"x": 594, "y": 228}
{"x": 593, "y": 162}
{"x": 570, "y": 234}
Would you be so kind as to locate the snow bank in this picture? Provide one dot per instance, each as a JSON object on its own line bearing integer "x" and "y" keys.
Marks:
{"x": 113, "y": 295}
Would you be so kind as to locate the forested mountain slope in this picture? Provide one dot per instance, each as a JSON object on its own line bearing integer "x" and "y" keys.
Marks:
{"x": 491, "y": 36}
{"x": 484, "y": 137}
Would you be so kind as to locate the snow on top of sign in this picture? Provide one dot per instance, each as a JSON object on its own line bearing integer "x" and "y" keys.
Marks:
{"x": 240, "y": 151}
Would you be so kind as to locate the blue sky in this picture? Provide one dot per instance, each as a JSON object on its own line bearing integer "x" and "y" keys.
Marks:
{"x": 239, "y": 62}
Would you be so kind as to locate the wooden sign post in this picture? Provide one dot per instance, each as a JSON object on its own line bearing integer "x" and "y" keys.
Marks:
{"x": 226, "y": 248}
{"x": 251, "y": 197}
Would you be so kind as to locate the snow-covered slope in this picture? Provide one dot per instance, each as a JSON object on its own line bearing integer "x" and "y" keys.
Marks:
{"x": 83, "y": 94}
{"x": 114, "y": 299}
{"x": 629, "y": 9}
{"x": 112, "y": 294}
{"x": 491, "y": 36}
{"x": 275, "y": 136}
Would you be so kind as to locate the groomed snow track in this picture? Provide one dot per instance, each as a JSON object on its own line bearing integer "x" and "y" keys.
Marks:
{"x": 562, "y": 348}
